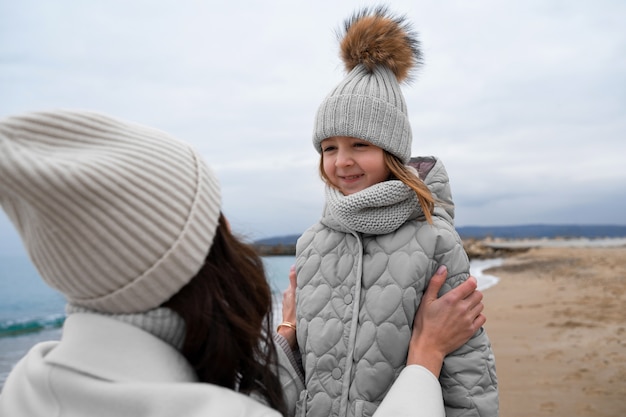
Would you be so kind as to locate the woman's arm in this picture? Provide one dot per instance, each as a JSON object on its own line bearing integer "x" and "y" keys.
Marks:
{"x": 444, "y": 324}
{"x": 287, "y": 328}
{"x": 441, "y": 325}
{"x": 290, "y": 369}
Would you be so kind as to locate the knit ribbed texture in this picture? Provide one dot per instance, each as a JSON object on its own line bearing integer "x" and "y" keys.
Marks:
{"x": 377, "y": 210}
{"x": 116, "y": 216}
{"x": 369, "y": 106}
{"x": 159, "y": 322}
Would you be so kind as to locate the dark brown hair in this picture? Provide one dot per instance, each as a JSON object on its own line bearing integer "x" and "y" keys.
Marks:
{"x": 227, "y": 309}
{"x": 402, "y": 173}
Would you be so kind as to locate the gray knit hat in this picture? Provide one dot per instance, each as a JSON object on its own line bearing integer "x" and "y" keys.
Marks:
{"x": 118, "y": 217}
{"x": 379, "y": 52}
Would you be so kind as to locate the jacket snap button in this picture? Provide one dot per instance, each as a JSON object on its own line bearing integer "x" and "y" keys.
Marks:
{"x": 336, "y": 373}
{"x": 347, "y": 299}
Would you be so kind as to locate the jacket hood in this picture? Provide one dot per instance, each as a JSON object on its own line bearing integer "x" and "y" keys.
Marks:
{"x": 432, "y": 171}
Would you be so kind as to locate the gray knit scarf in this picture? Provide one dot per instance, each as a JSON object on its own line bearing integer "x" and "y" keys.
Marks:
{"x": 160, "y": 322}
{"x": 378, "y": 210}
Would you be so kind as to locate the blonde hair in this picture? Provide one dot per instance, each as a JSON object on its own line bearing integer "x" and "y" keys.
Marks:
{"x": 402, "y": 173}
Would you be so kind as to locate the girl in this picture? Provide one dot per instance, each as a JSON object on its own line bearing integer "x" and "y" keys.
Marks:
{"x": 386, "y": 228}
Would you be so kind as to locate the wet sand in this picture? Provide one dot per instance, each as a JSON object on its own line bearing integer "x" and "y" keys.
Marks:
{"x": 557, "y": 322}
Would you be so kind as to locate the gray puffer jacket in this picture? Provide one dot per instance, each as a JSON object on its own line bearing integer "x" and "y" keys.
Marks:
{"x": 356, "y": 299}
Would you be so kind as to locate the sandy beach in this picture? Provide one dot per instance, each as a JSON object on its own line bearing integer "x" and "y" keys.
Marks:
{"x": 557, "y": 322}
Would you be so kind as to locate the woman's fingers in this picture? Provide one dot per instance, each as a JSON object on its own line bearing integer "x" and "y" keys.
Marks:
{"x": 292, "y": 276}
{"x": 436, "y": 282}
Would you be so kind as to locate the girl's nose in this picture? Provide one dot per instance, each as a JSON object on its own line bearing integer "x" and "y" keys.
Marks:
{"x": 344, "y": 158}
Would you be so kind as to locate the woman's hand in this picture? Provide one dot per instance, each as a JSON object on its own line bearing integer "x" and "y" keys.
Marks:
{"x": 289, "y": 311}
{"x": 444, "y": 324}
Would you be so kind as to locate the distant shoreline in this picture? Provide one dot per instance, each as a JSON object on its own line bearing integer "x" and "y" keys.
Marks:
{"x": 486, "y": 248}
{"x": 555, "y": 242}
{"x": 499, "y": 247}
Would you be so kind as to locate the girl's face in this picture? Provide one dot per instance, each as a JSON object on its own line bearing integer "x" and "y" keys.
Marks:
{"x": 352, "y": 164}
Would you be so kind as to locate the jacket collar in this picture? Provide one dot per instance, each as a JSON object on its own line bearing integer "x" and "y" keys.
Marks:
{"x": 112, "y": 350}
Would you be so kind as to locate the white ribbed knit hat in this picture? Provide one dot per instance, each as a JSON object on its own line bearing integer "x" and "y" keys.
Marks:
{"x": 116, "y": 216}
{"x": 379, "y": 51}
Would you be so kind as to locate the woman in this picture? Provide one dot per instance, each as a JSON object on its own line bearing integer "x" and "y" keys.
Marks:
{"x": 168, "y": 313}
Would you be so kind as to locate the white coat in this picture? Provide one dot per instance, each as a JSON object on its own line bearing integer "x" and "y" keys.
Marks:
{"x": 103, "y": 367}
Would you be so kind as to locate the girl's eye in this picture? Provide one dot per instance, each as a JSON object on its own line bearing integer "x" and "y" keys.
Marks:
{"x": 328, "y": 148}
{"x": 360, "y": 144}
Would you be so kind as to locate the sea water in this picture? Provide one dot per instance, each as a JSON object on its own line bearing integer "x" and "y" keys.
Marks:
{"x": 31, "y": 312}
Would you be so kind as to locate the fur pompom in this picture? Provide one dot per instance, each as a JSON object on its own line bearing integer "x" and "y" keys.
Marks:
{"x": 376, "y": 37}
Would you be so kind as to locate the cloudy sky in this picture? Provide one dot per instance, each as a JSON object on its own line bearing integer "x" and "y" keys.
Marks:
{"x": 524, "y": 101}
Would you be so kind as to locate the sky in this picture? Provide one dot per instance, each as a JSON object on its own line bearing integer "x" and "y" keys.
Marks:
{"x": 523, "y": 101}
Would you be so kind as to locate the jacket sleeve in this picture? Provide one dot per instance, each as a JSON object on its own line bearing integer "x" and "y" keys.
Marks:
{"x": 404, "y": 400}
{"x": 289, "y": 373}
{"x": 468, "y": 376}
{"x": 468, "y": 379}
